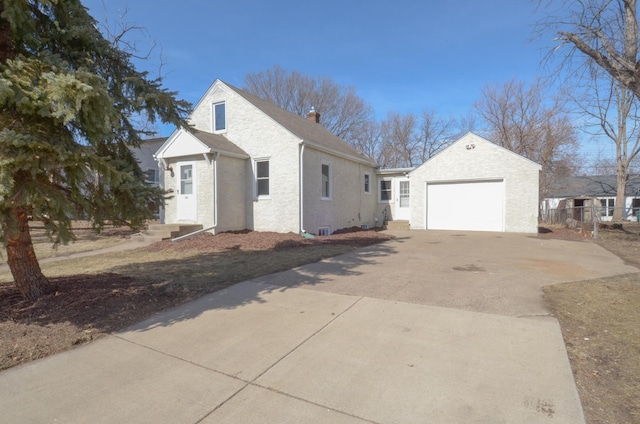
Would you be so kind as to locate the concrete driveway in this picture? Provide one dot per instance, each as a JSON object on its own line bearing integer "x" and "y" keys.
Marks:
{"x": 438, "y": 327}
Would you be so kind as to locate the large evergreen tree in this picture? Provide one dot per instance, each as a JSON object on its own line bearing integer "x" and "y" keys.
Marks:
{"x": 69, "y": 100}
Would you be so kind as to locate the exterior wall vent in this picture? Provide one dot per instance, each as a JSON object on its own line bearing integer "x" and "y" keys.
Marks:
{"x": 365, "y": 226}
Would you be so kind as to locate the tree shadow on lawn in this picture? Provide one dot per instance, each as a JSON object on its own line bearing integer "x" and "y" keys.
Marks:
{"x": 126, "y": 294}
{"x": 230, "y": 295}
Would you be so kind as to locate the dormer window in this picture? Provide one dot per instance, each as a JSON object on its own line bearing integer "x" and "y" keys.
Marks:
{"x": 219, "y": 117}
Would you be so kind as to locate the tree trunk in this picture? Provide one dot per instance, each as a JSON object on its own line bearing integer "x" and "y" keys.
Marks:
{"x": 621, "y": 187}
{"x": 22, "y": 259}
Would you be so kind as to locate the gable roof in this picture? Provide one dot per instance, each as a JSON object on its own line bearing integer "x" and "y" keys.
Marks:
{"x": 198, "y": 142}
{"x": 592, "y": 186}
{"x": 308, "y": 131}
{"x": 470, "y": 139}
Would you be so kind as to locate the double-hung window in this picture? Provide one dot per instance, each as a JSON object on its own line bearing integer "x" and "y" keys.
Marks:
{"x": 367, "y": 183}
{"x": 219, "y": 117}
{"x": 385, "y": 191}
{"x": 262, "y": 178}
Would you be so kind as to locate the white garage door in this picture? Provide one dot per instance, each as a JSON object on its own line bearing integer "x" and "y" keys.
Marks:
{"x": 473, "y": 206}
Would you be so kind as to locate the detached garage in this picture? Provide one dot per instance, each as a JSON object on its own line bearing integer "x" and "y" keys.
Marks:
{"x": 475, "y": 185}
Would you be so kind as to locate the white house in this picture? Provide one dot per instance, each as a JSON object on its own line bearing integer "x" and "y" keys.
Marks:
{"x": 574, "y": 197}
{"x": 248, "y": 164}
{"x": 252, "y": 165}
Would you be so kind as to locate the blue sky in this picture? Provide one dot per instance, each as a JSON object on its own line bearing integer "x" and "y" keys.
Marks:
{"x": 402, "y": 56}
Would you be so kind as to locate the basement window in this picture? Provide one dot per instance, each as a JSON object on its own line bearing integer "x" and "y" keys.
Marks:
{"x": 324, "y": 231}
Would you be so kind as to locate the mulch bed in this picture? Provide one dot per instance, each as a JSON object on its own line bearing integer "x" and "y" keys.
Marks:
{"x": 265, "y": 240}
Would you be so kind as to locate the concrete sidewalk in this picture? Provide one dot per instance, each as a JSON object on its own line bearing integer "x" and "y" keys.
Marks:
{"x": 300, "y": 346}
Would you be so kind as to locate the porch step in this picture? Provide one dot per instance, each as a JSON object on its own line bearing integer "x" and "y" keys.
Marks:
{"x": 398, "y": 225}
{"x": 169, "y": 231}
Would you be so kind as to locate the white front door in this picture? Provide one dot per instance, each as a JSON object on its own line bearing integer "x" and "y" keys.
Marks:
{"x": 402, "y": 200}
{"x": 186, "y": 192}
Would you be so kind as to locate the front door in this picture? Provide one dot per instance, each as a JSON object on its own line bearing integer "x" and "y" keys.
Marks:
{"x": 186, "y": 192}
{"x": 402, "y": 200}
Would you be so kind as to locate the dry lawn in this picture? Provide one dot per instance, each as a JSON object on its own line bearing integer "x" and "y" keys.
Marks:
{"x": 600, "y": 322}
{"x": 104, "y": 293}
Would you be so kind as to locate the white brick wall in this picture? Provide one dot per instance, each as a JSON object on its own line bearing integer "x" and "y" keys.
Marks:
{"x": 261, "y": 138}
{"x": 349, "y": 205}
{"x": 485, "y": 161}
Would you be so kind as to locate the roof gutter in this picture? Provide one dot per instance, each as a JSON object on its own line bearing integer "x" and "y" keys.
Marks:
{"x": 301, "y": 178}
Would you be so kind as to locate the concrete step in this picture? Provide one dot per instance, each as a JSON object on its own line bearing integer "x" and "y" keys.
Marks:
{"x": 169, "y": 231}
{"x": 398, "y": 225}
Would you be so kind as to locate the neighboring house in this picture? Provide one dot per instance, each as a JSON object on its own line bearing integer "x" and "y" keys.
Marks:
{"x": 252, "y": 165}
{"x": 145, "y": 157}
{"x": 248, "y": 164}
{"x": 576, "y": 198}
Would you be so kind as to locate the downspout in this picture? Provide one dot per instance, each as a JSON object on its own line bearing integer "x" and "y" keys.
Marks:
{"x": 215, "y": 203}
{"x": 302, "y": 187}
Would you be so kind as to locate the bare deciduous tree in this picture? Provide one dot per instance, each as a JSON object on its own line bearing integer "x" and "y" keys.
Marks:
{"x": 341, "y": 110}
{"x": 602, "y": 36}
{"x": 604, "y": 32}
{"x": 523, "y": 120}
{"x": 613, "y": 110}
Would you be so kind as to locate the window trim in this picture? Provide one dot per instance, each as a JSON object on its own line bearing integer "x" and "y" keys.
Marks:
{"x": 256, "y": 178}
{"x": 390, "y": 190}
{"x": 608, "y": 206}
{"x": 367, "y": 184}
{"x": 329, "y": 195}
{"x": 214, "y": 119}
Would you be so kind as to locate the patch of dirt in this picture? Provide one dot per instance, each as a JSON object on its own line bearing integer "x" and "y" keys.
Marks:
{"x": 88, "y": 307}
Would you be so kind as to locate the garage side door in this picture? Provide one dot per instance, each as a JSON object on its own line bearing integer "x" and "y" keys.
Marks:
{"x": 471, "y": 206}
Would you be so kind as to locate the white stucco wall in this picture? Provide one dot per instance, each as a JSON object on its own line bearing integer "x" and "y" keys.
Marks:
{"x": 349, "y": 205}
{"x": 486, "y": 161}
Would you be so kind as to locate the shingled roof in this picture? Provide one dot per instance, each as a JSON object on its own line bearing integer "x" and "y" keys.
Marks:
{"x": 592, "y": 186}
{"x": 303, "y": 128}
{"x": 218, "y": 143}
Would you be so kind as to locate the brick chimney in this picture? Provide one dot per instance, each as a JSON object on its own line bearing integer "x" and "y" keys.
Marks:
{"x": 313, "y": 116}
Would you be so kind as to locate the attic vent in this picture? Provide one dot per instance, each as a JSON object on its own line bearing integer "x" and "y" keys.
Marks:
{"x": 324, "y": 231}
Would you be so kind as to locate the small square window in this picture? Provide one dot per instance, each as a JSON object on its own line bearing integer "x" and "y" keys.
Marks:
{"x": 219, "y": 117}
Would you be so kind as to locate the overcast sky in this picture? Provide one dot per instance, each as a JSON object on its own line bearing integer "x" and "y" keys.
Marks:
{"x": 401, "y": 56}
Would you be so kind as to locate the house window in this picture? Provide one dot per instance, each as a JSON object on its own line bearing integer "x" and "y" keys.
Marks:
{"x": 324, "y": 231}
{"x": 367, "y": 183}
{"x": 153, "y": 176}
{"x": 262, "y": 178}
{"x": 326, "y": 181}
{"x": 385, "y": 190}
{"x": 608, "y": 205}
{"x": 219, "y": 117}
